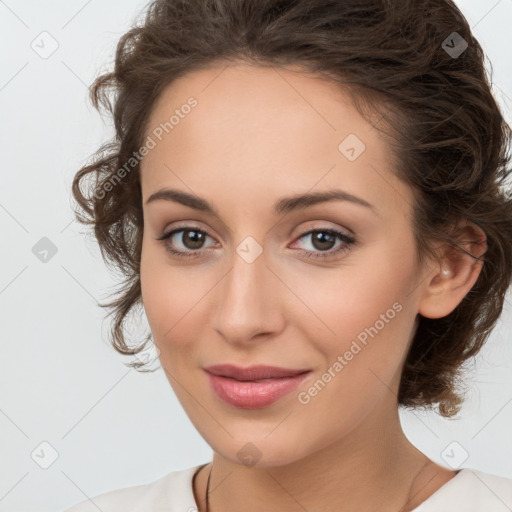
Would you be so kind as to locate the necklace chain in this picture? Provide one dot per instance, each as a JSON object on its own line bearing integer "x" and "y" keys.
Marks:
{"x": 208, "y": 490}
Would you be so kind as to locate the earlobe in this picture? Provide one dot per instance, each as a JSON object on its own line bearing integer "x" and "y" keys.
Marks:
{"x": 455, "y": 274}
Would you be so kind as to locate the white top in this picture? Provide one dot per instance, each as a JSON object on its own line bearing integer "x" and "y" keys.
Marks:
{"x": 469, "y": 490}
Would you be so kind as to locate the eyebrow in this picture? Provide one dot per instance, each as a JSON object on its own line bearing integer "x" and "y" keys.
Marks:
{"x": 283, "y": 205}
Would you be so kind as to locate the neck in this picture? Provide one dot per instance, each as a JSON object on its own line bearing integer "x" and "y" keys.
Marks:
{"x": 372, "y": 468}
{"x": 369, "y": 469}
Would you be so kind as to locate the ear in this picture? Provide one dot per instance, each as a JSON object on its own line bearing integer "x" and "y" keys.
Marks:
{"x": 454, "y": 273}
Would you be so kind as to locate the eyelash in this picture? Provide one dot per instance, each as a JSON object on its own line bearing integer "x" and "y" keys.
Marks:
{"x": 348, "y": 241}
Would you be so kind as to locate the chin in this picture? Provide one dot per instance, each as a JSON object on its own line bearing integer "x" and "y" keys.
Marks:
{"x": 260, "y": 452}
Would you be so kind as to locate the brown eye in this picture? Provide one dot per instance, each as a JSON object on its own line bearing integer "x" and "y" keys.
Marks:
{"x": 192, "y": 239}
{"x": 184, "y": 242}
{"x": 323, "y": 240}
{"x": 188, "y": 242}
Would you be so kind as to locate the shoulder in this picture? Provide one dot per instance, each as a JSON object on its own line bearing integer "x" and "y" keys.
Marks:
{"x": 174, "y": 490}
{"x": 471, "y": 490}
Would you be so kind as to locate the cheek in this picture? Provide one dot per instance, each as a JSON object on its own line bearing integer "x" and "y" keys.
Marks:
{"x": 361, "y": 367}
{"x": 359, "y": 297}
{"x": 161, "y": 292}
{"x": 152, "y": 292}
{"x": 367, "y": 314}
{"x": 174, "y": 298}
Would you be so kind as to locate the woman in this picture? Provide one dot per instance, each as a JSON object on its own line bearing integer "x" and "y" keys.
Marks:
{"x": 308, "y": 199}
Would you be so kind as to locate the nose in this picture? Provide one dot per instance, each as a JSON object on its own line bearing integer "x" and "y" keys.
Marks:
{"x": 248, "y": 302}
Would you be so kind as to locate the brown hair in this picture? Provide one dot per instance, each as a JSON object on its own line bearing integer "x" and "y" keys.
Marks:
{"x": 441, "y": 118}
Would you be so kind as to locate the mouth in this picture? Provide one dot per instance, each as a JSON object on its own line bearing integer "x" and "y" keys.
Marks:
{"x": 253, "y": 373}
{"x": 254, "y": 387}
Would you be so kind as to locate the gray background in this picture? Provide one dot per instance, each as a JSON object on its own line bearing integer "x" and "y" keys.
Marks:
{"x": 107, "y": 425}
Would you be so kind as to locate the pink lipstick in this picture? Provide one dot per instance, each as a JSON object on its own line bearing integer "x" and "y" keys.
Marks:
{"x": 253, "y": 387}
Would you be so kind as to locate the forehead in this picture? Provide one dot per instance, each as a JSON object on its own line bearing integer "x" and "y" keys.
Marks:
{"x": 264, "y": 128}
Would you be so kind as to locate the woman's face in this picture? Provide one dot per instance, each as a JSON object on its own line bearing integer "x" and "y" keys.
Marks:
{"x": 258, "y": 288}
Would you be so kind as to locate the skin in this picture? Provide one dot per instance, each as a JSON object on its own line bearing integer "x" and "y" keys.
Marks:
{"x": 258, "y": 134}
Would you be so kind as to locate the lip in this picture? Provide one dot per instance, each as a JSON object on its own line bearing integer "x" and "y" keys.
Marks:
{"x": 254, "y": 387}
{"x": 256, "y": 372}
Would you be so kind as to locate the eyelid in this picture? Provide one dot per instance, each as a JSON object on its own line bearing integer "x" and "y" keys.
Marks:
{"x": 323, "y": 226}
{"x": 190, "y": 225}
{"x": 347, "y": 241}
